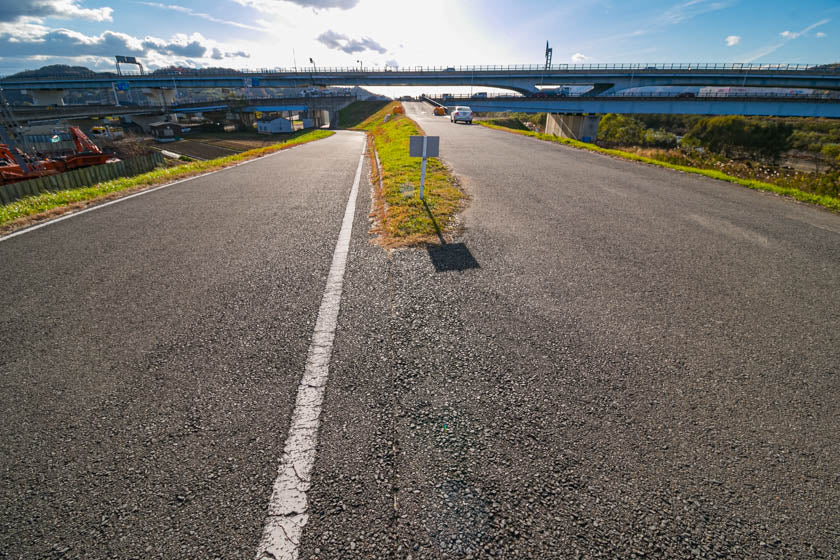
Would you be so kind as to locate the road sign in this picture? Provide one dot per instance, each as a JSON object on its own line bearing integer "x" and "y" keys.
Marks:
{"x": 122, "y": 86}
{"x": 416, "y": 146}
{"x": 423, "y": 147}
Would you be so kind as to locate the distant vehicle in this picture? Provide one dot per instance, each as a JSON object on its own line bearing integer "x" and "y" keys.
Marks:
{"x": 687, "y": 94}
{"x": 446, "y": 96}
{"x": 480, "y": 95}
{"x": 450, "y": 69}
{"x": 106, "y": 132}
{"x": 539, "y": 95}
{"x": 440, "y": 111}
{"x": 461, "y": 113}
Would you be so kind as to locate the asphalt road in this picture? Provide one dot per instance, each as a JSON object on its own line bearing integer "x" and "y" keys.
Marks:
{"x": 630, "y": 361}
{"x": 612, "y": 360}
{"x": 151, "y": 353}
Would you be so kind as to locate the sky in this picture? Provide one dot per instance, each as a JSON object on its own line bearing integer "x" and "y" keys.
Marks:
{"x": 379, "y": 33}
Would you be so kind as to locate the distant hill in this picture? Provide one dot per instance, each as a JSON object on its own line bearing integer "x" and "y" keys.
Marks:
{"x": 60, "y": 71}
{"x": 65, "y": 71}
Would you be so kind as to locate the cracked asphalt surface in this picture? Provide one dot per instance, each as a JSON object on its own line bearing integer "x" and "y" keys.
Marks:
{"x": 612, "y": 361}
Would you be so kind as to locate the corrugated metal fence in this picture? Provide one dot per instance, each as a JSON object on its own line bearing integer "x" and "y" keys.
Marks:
{"x": 79, "y": 178}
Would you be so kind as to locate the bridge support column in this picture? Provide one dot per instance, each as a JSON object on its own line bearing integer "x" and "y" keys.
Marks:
{"x": 160, "y": 96}
{"x": 576, "y": 127}
{"x": 47, "y": 96}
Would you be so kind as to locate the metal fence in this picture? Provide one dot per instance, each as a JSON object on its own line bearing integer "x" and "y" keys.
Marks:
{"x": 78, "y": 178}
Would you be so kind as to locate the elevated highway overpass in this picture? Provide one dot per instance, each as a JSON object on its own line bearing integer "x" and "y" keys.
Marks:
{"x": 35, "y": 113}
{"x": 605, "y": 78}
{"x": 749, "y": 105}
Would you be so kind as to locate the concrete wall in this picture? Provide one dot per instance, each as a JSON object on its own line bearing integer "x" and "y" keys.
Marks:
{"x": 577, "y": 127}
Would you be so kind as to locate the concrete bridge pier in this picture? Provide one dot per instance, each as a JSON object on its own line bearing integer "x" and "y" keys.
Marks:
{"x": 576, "y": 127}
{"x": 160, "y": 96}
{"x": 321, "y": 117}
{"x": 47, "y": 96}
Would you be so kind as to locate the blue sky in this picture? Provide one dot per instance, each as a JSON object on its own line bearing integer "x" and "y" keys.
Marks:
{"x": 282, "y": 33}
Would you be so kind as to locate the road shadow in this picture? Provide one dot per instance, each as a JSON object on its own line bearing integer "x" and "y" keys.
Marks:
{"x": 451, "y": 257}
{"x": 448, "y": 257}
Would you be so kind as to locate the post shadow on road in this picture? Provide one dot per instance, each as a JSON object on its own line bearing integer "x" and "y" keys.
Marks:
{"x": 448, "y": 257}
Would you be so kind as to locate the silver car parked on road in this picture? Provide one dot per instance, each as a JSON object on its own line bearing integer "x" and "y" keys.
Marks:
{"x": 463, "y": 114}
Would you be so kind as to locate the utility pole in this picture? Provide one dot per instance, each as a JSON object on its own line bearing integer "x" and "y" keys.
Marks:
{"x": 548, "y": 53}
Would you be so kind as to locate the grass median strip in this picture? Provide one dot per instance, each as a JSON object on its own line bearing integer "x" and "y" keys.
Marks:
{"x": 402, "y": 218}
{"x": 24, "y": 211}
{"x": 826, "y": 201}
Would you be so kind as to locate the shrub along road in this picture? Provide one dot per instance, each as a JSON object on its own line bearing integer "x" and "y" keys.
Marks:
{"x": 612, "y": 359}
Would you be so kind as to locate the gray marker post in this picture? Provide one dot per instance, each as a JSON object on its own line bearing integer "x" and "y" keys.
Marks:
{"x": 423, "y": 167}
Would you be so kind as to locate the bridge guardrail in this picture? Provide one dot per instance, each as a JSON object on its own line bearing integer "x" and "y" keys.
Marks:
{"x": 645, "y": 95}
{"x": 641, "y": 67}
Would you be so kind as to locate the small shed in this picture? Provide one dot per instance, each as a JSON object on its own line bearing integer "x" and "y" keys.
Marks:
{"x": 281, "y": 125}
{"x": 167, "y": 131}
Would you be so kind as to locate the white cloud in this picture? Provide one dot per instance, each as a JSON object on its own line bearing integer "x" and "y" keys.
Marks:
{"x": 12, "y": 10}
{"x": 208, "y": 17}
{"x": 820, "y": 35}
{"x": 339, "y": 42}
{"x": 693, "y": 8}
{"x": 732, "y": 40}
{"x": 787, "y": 36}
{"x": 795, "y": 35}
{"x": 41, "y": 42}
{"x": 579, "y": 57}
{"x": 275, "y": 6}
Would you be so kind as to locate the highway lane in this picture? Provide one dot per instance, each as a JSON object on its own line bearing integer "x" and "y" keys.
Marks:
{"x": 642, "y": 362}
{"x": 151, "y": 352}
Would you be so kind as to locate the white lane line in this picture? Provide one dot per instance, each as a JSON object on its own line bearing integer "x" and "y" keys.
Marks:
{"x": 288, "y": 506}
{"x": 141, "y": 193}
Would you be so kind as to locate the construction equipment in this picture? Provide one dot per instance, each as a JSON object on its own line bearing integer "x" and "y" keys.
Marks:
{"x": 16, "y": 165}
{"x": 19, "y": 164}
{"x": 10, "y": 134}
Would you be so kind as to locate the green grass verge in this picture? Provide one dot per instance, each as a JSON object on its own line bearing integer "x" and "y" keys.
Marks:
{"x": 357, "y": 112}
{"x": 403, "y": 218}
{"x": 826, "y": 201}
{"x": 52, "y": 203}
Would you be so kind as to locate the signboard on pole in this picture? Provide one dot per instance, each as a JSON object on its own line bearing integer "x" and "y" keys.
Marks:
{"x": 122, "y": 86}
{"x": 423, "y": 147}
{"x": 415, "y": 146}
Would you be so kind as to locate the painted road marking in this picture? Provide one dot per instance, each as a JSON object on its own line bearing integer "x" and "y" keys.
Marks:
{"x": 288, "y": 506}
{"x": 141, "y": 193}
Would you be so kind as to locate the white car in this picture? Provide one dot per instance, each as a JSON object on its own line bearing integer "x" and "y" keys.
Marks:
{"x": 463, "y": 114}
